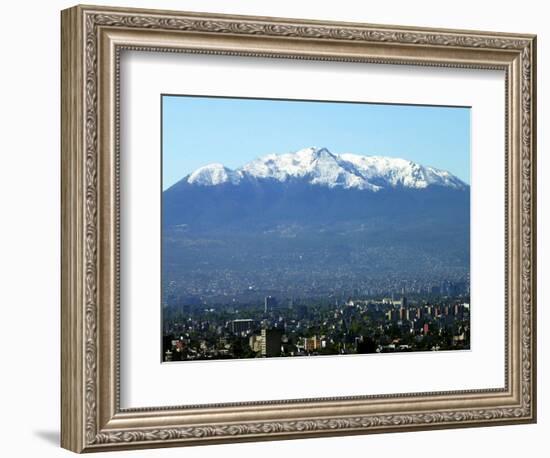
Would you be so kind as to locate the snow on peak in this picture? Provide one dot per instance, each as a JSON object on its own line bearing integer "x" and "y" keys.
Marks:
{"x": 398, "y": 172}
{"x": 214, "y": 174}
{"x": 318, "y": 166}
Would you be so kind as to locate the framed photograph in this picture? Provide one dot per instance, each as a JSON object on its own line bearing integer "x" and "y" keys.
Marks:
{"x": 279, "y": 228}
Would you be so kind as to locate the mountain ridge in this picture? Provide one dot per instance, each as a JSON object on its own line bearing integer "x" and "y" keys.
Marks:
{"x": 319, "y": 166}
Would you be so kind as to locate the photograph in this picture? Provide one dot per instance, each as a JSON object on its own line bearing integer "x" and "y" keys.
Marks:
{"x": 310, "y": 227}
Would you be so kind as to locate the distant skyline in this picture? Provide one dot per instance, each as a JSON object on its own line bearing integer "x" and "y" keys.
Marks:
{"x": 233, "y": 131}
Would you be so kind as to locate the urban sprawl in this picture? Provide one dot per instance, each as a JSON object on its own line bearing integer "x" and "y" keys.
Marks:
{"x": 431, "y": 321}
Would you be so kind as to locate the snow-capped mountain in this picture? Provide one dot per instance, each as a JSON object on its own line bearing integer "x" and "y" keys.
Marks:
{"x": 310, "y": 214}
{"x": 318, "y": 166}
{"x": 214, "y": 174}
{"x": 314, "y": 187}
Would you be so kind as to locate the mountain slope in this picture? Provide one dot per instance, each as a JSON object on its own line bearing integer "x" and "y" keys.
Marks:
{"x": 311, "y": 223}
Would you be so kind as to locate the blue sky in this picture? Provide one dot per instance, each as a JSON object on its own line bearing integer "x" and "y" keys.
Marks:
{"x": 201, "y": 130}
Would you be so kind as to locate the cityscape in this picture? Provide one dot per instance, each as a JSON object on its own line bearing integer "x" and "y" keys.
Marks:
{"x": 434, "y": 320}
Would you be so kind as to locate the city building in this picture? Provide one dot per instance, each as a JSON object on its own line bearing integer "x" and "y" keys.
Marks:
{"x": 255, "y": 343}
{"x": 312, "y": 343}
{"x": 269, "y": 303}
{"x": 242, "y": 326}
{"x": 271, "y": 342}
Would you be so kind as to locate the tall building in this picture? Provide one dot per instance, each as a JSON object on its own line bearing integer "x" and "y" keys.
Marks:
{"x": 271, "y": 342}
{"x": 255, "y": 343}
{"x": 269, "y": 303}
{"x": 242, "y": 325}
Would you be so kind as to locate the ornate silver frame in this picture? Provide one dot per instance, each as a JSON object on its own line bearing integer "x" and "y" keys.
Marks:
{"x": 92, "y": 39}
